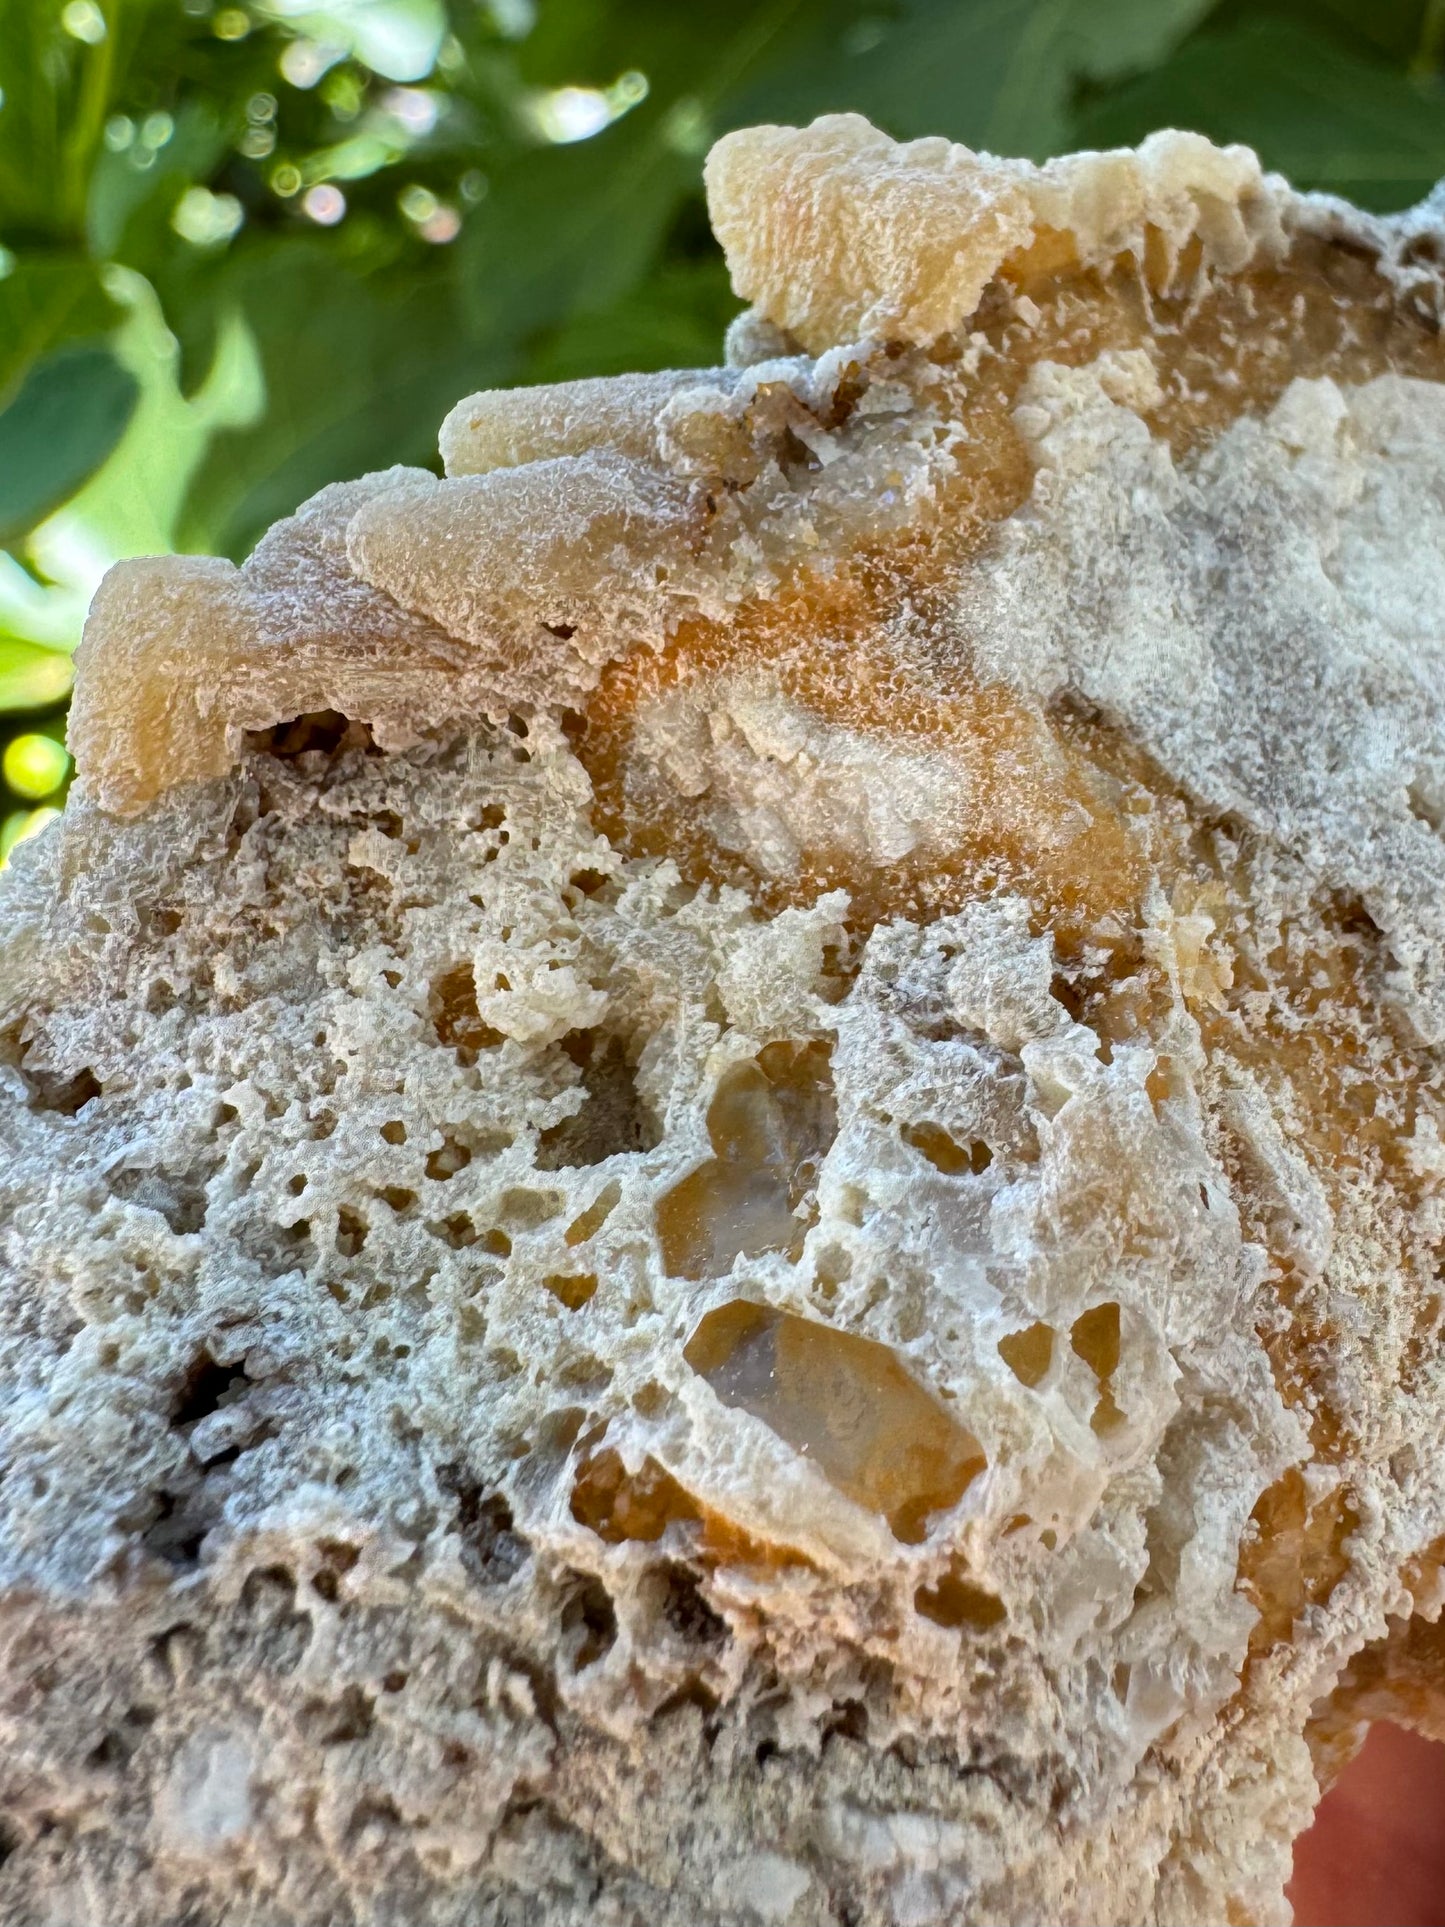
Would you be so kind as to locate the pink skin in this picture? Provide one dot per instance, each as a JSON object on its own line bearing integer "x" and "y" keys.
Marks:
{"x": 1375, "y": 1856}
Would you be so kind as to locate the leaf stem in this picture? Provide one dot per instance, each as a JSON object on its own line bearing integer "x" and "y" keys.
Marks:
{"x": 97, "y": 76}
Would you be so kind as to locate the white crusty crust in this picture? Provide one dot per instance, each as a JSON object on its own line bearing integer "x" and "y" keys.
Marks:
{"x": 1290, "y": 578}
{"x": 834, "y": 231}
{"x": 379, "y": 1538}
{"x": 579, "y": 521}
{"x": 407, "y": 602}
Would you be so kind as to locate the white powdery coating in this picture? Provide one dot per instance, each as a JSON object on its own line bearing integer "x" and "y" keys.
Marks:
{"x": 1292, "y": 579}
{"x": 407, "y": 602}
{"x": 505, "y": 427}
{"x": 776, "y": 777}
{"x": 576, "y": 544}
{"x": 255, "y": 1128}
{"x": 835, "y": 232}
{"x": 346, "y": 1094}
{"x": 272, "y": 1092}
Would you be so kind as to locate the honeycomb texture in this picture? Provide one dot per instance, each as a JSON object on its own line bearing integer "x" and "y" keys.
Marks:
{"x": 720, "y": 1170}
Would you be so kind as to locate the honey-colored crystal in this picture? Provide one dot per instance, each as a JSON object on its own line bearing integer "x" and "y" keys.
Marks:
{"x": 847, "y": 1403}
{"x": 768, "y": 1133}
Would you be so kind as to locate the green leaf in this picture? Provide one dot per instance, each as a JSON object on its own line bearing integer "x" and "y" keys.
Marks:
{"x": 995, "y": 74}
{"x": 359, "y": 371}
{"x": 32, "y": 677}
{"x": 129, "y": 208}
{"x": 570, "y": 229}
{"x": 48, "y": 297}
{"x": 675, "y": 318}
{"x": 36, "y": 63}
{"x": 1397, "y": 29}
{"x": 1325, "y": 116}
{"x": 56, "y": 92}
{"x": 67, "y": 417}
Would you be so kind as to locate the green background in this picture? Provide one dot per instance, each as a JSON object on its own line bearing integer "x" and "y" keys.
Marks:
{"x": 250, "y": 249}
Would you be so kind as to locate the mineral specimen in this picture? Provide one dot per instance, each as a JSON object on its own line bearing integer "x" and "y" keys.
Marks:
{"x": 722, "y": 1195}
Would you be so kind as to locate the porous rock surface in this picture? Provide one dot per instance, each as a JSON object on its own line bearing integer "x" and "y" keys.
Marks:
{"x": 721, "y": 1180}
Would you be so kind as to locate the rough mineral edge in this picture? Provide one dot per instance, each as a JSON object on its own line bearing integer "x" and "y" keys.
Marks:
{"x": 927, "y": 226}
{"x": 897, "y": 242}
{"x": 834, "y": 231}
{"x": 540, "y": 1391}
{"x": 405, "y": 601}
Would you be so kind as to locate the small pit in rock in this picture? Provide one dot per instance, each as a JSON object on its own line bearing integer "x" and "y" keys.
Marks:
{"x": 589, "y": 1622}
{"x": 613, "y": 1116}
{"x": 771, "y": 1123}
{"x": 945, "y": 1153}
{"x": 957, "y": 1602}
{"x": 455, "y": 1017}
{"x": 619, "y": 1505}
{"x": 1028, "y": 1353}
{"x": 1096, "y": 1338}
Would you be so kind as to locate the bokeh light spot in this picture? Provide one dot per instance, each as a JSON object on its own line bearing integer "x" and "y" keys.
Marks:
{"x": 565, "y": 114}
{"x": 83, "y": 20}
{"x": 304, "y": 62}
{"x": 417, "y": 203}
{"x": 207, "y": 220}
{"x": 34, "y": 766}
{"x": 414, "y": 107}
{"x": 443, "y": 226}
{"x": 324, "y": 204}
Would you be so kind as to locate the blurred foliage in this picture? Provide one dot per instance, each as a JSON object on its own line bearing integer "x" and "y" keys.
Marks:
{"x": 249, "y": 248}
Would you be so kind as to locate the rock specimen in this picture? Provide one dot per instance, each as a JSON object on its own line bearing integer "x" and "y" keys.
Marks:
{"x": 722, "y": 1180}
